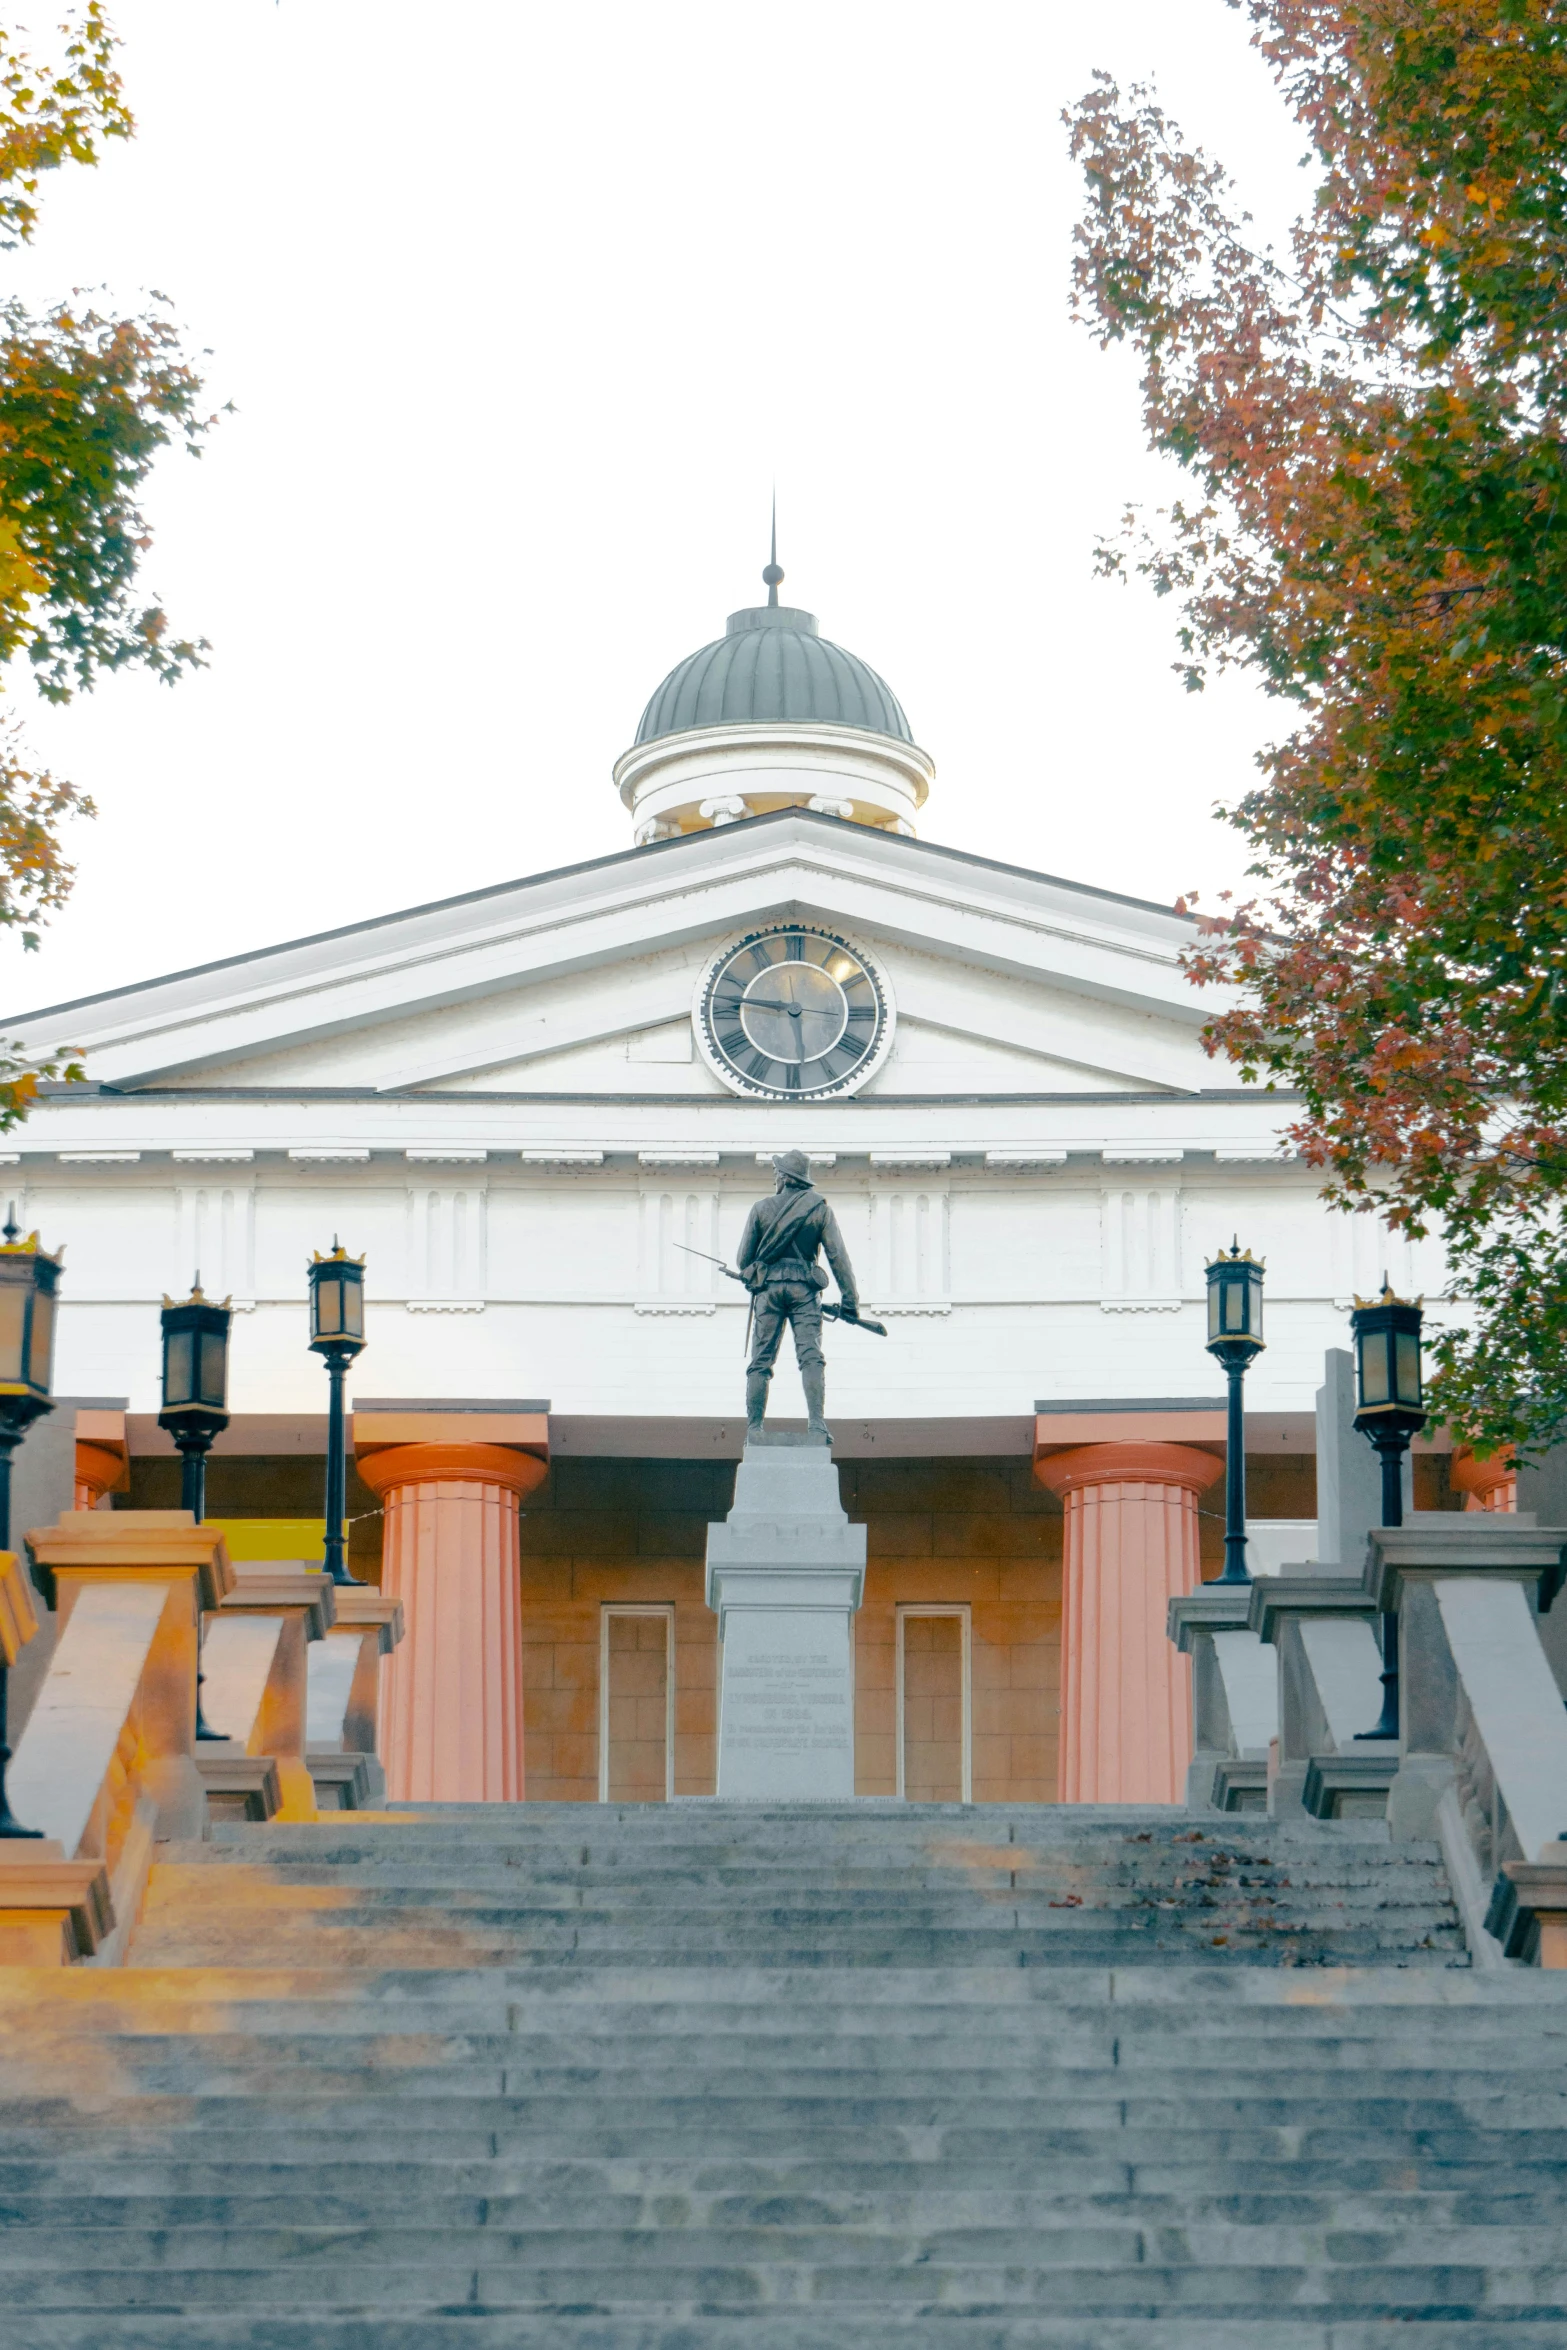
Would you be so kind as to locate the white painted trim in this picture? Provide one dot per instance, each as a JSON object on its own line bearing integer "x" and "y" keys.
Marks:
{"x": 964, "y": 1613}
{"x": 627, "y": 1607}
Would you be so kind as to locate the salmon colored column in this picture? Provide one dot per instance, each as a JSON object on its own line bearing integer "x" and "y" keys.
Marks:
{"x": 453, "y": 1717}
{"x": 1131, "y": 1547}
{"x": 1485, "y": 1485}
{"x": 102, "y": 1457}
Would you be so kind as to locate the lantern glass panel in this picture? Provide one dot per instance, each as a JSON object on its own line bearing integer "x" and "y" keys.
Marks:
{"x": 1214, "y": 1290}
{"x": 214, "y": 1368}
{"x": 40, "y": 1352}
{"x": 329, "y": 1306}
{"x": 1254, "y": 1300}
{"x": 1374, "y": 1385}
{"x": 179, "y": 1368}
{"x": 353, "y": 1297}
{"x": 1408, "y": 1368}
{"x": 13, "y": 1322}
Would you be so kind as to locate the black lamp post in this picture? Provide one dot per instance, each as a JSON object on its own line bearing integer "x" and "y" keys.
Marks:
{"x": 195, "y": 1387}
{"x": 195, "y": 1405}
{"x": 1391, "y": 1400}
{"x": 337, "y": 1331}
{"x": 29, "y": 1280}
{"x": 1234, "y": 1337}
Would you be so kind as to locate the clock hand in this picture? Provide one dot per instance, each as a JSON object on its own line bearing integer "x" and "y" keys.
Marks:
{"x": 768, "y": 1003}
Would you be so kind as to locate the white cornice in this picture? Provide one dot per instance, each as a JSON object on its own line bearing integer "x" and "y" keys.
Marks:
{"x": 441, "y": 956}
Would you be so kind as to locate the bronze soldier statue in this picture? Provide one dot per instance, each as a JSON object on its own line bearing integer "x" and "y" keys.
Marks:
{"x": 778, "y": 1252}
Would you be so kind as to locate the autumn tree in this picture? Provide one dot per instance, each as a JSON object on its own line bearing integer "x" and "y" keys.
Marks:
{"x": 86, "y": 402}
{"x": 1372, "y": 423}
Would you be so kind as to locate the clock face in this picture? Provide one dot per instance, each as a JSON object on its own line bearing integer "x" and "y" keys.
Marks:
{"x": 792, "y": 1014}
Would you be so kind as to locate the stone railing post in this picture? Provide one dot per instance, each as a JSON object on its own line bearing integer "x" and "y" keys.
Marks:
{"x": 1235, "y": 1698}
{"x": 105, "y": 1765}
{"x": 255, "y": 1688}
{"x": 1322, "y": 1627}
{"x": 1483, "y": 1735}
{"x": 452, "y": 1483}
{"x": 1131, "y": 1547}
{"x": 343, "y": 1720}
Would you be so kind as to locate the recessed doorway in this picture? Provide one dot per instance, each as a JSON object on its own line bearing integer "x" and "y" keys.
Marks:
{"x": 636, "y": 1703}
{"x": 935, "y": 1743}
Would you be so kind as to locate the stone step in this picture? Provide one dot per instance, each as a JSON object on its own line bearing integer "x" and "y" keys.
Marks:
{"x": 960, "y": 1947}
{"x": 317, "y": 2270}
{"x": 699, "y": 2075}
{"x": 235, "y": 2130}
{"x": 821, "y": 1905}
{"x": 1034, "y": 2066}
{"x": 907, "y": 2329}
{"x": 763, "y": 2329}
{"x": 517, "y": 2194}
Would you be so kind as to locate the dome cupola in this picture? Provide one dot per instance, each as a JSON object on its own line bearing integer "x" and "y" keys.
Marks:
{"x": 772, "y": 715}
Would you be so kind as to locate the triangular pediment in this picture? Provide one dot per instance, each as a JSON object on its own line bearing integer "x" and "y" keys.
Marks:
{"x": 583, "y": 981}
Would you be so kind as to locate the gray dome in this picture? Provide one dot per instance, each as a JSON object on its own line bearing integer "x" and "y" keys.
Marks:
{"x": 772, "y": 668}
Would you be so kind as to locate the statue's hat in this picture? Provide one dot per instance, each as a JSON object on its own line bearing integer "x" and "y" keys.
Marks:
{"x": 795, "y": 1165}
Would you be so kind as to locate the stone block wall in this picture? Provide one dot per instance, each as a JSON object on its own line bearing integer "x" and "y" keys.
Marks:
{"x": 627, "y": 1531}
{"x": 977, "y": 1533}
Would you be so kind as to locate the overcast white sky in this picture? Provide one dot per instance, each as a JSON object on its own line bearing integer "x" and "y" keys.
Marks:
{"x": 522, "y": 308}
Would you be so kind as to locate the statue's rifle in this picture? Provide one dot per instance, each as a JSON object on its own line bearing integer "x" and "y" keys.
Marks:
{"x": 830, "y": 1313}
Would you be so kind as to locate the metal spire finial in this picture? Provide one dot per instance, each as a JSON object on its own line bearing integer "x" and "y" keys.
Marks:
{"x": 772, "y": 574}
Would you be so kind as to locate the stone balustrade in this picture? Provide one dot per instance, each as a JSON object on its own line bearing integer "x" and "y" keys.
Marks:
{"x": 104, "y": 1768}
{"x": 1482, "y": 1748}
{"x": 255, "y": 1692}
{"x": 343, "y": 1710}
{"x": 1235, "y": 1699}
{"x": 1322, "y": 1628}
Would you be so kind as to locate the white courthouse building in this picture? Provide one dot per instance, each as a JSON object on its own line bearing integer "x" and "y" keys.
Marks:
{"x": 516, "y": 1103}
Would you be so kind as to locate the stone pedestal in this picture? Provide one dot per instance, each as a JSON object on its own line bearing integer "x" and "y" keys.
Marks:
{"x": 785, "y": 1574}
{"x": 1131, "y": 1547}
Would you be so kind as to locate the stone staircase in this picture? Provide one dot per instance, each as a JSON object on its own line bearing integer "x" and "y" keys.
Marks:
{"x": 714, "y": 2077}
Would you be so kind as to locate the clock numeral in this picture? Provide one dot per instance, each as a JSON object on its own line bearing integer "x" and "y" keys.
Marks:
{"x": 733, "y": 1041}
{"x": 794, "y": 947}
